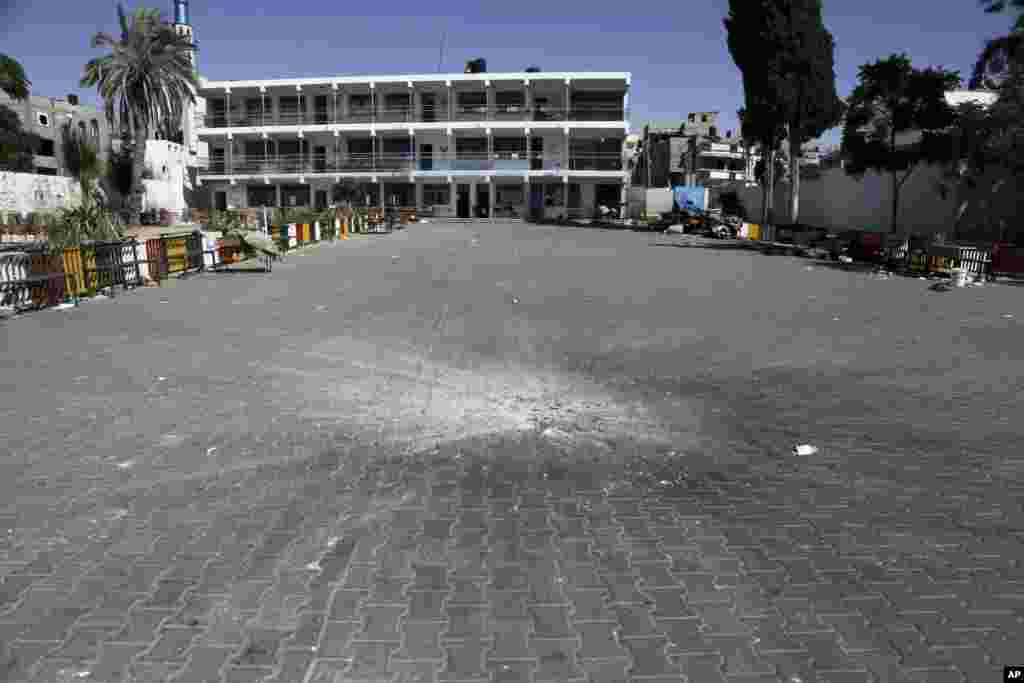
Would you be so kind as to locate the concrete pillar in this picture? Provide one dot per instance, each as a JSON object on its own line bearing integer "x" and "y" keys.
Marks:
{"x": 417, "y": 114}
{"x": 490, "y": 100}
{"x": 373, "y": 102}
{"x": 565, "y": 196}
{"x": 277, "y": 198}
{"x": 452, "y": 198}
{"x": 492, "y": 194}
{"x": 528, "y": 100}
{"x": 419, "y": 195}
{"x": 472, "y": 199}
{"x": 344, "y": 105}
{"x": 623, "y": 201}
{"x": 526, "y": 198}
{"x": 565, "y": 150}
{"x": 380, "y": 193}
{"x": 451, "y": 100}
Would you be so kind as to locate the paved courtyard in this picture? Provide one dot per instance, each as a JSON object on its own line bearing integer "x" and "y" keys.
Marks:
{"x": 513, "y": 453}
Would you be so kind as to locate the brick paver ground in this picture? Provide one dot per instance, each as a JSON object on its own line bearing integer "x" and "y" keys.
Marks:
{"x": 514, "y": 454}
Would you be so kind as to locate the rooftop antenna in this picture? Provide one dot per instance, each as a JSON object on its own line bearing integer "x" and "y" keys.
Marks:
{"x": 440, "y": 52}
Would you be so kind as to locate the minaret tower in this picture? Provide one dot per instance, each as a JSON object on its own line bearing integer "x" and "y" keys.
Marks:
{"x": 183, "y": 27}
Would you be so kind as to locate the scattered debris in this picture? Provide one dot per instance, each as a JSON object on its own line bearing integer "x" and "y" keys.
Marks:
{"x": 805, "y": 449}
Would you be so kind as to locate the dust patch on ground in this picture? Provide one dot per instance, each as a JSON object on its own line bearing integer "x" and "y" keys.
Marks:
{"x": 418, "y": 402}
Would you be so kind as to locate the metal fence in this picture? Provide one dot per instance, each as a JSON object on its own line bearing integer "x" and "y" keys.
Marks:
{"x": 39, "y": 277}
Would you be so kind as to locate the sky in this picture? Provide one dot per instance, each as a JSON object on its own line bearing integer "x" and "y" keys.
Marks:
{"x": 675, "y": 50}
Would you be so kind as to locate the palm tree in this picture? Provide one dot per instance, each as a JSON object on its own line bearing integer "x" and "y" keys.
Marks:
{"x": 145, "y": 81}
{"x": 12, "y": 78}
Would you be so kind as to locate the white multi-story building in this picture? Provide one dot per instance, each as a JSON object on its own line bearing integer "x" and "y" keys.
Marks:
{"x": 454, "y": 145}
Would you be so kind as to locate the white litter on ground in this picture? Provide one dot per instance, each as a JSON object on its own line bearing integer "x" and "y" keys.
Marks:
{"x": 125, "y": 465}
{"x": 1007, "y": 315}
{"x": 63, "y": 307}
{"x": 805, "y": 449}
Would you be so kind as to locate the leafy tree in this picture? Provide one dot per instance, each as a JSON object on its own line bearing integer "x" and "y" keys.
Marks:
{"x": 778, "y": 170}
{"x": 82, "y": 160}
{"x": 894, "y": 100}
{"x": 12, "y": 78}
{"x": 17, "y": 145}
{"x": 988, "y": 140}
{"x": 1003, "y": 53}
{"x": 787, "y": 59}
{"x": 146, "y": 80}
{"x": 762, "y": 127}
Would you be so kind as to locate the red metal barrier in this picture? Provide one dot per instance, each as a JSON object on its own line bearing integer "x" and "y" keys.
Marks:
{"x": 156, "y": 254}
{"x": 1007, "y": 259}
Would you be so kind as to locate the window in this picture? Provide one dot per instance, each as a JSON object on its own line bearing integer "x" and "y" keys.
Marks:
{"x": 509, "y": 194}
{"x": 46, "y": 148}
{"x": 43, "y": 119}
{"x": 470, "y": 148}
{"x": 397, "y": 102}
{"x": 81, "y": 129}
{"x": 96, "y": 129}
{"x": 436, "y": 195}
{"x": 262, "y": 195}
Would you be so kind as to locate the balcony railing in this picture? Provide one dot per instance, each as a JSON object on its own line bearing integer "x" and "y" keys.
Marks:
{"x": 411, "y": 115}
{"x": 501, "y": 164}
{"x": 596, "y": 162}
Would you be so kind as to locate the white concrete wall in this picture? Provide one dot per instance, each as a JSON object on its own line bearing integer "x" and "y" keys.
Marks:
{"x": 169, "y": 163}
{"x": 25, "y": 192}
{"x": 840, "y": 202}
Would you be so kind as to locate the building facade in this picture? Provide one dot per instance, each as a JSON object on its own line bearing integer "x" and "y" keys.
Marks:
{"x": 690, "y": 152}
{"x": 47, "y": 117}
{"x": 451, "y": 145}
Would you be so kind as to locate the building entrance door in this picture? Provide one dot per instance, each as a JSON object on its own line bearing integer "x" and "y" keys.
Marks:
{"x": 462, "y": 202}
{"x": 483, "y": 201}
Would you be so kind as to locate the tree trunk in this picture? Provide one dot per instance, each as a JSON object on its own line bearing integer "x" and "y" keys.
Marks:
{"x": 138, "y": 166}
{"x": 894, "y": 224}
{"x": 794, "y": 177}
